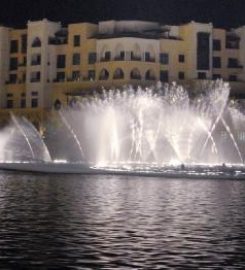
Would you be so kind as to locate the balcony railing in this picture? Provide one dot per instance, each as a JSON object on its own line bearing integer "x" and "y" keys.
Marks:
{"x": 136, "y": 58}
{"x": 103, "y": 59}
{"x": 119, "y": 58}
{"x": 150, "y": 59}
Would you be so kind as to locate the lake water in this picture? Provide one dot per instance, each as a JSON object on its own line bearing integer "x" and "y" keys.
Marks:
{"x": 116, "y": 222}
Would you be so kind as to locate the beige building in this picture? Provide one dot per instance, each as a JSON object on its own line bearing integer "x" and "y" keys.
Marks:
{"x": 46, "y": 65}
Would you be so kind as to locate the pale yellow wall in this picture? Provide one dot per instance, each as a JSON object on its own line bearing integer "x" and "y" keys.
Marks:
{"x": 20, "y": 87}
{"x": 225, "y": 54}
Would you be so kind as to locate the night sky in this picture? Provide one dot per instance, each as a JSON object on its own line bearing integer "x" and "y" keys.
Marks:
{"x": 223, "y": 13}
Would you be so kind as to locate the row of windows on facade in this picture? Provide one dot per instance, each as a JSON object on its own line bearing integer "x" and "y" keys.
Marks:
{"x": 231, "y": 62}
{"x": 92, "y": 58}
{"x": 14, "y": 44}
{"x": 76, "y": 60}
{"x": 10, "y": 103}
{"x": 118, "y": 74}
{"x": 230, "y": 43}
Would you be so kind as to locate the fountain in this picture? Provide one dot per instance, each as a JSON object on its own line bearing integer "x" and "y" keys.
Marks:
{"x": 154, "y": 131}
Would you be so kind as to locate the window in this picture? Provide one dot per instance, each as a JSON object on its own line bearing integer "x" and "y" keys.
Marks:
{"x": 91, "y": 75}
{"x": 35, "y": 76}
{"x": 118, "y": 74}
{"x": 164, "y": 58}
{"x": 201, "y": 75}
{"x": 232, "y": 41}
{"x": 22, "y": 103}
{"x": 36, "y": 59}
{"x": 13, "y": 64}
{"x": 232, "y": 78}
{"x": 12, "y": 78}
{"x": 10, "y": 103}
{"x": 23, "y": 43}
{"x": 14, "y": 46}
{"x": 232, "y": 63}
{"x": 164, "y": 76}
{"x": 107, "y": 56}
{"x": 75, "y": 75}
{"x": 34, "y": 102}
{"x": 76, "y": 41}
{"x": 216, "y": 76}
{"x": 34, "y": 93}
{"x": 57, "y": 104}
{"x": 104, "y": 74}
{"x": 36, "y": 43}
{"x": 147, "y": 56}
{"x": 217, "y": 45}
{"x": 76, "y": 59}
{"x": 216, "y": 62}
{"x": 150, "y": 75}
{"x": 61, "y": 61}
{"x": 181, "y": 58}
{"x": 181, "y": 75}
{"x": 92, "y": 58}
{"x": 60, "y": 76}
{"x": 135, "y": 74}
{"x": 203, "y": 51}
{"x": 9, "y": 95}
{"x": 121, "y": 56}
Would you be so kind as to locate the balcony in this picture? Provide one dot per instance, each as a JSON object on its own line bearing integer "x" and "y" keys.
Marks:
{"x": 105, "y": 59}
{"x": 119, "y": 58}
{"x": 136, "y": 58}
{"x": 150, "y": 59}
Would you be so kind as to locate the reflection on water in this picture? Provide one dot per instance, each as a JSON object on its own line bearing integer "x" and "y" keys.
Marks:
{"x": 112, "y": 222}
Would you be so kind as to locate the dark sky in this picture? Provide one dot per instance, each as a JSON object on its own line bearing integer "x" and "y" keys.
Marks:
{"x": 223, "y": 13}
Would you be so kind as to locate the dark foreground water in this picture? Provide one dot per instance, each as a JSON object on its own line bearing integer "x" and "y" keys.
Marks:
{"x": 112, "y": 222}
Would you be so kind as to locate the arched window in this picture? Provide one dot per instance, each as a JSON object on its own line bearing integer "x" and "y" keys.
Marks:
{"x": 118, "y": 74}
{"x": 119, "y": 52}
{"x": 36, "y": 42}
{"x": 135, "y": 74}
{"x": 105, "y": 54}
{"x": 136, "y": 53}
{"x": 150, "y": 75}
{"x": 57, "y": 104}
{"x": 150, "y": 54}
{"x": 104, "y": 74}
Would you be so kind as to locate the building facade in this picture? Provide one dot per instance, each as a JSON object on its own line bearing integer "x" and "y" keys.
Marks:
{"x": 44, "y": 66}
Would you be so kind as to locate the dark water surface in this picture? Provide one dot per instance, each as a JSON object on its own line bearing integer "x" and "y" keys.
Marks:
{"x": 113, "y": 222}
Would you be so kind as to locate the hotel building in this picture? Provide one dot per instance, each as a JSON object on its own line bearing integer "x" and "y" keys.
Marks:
{"x": 46, "y": 65}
